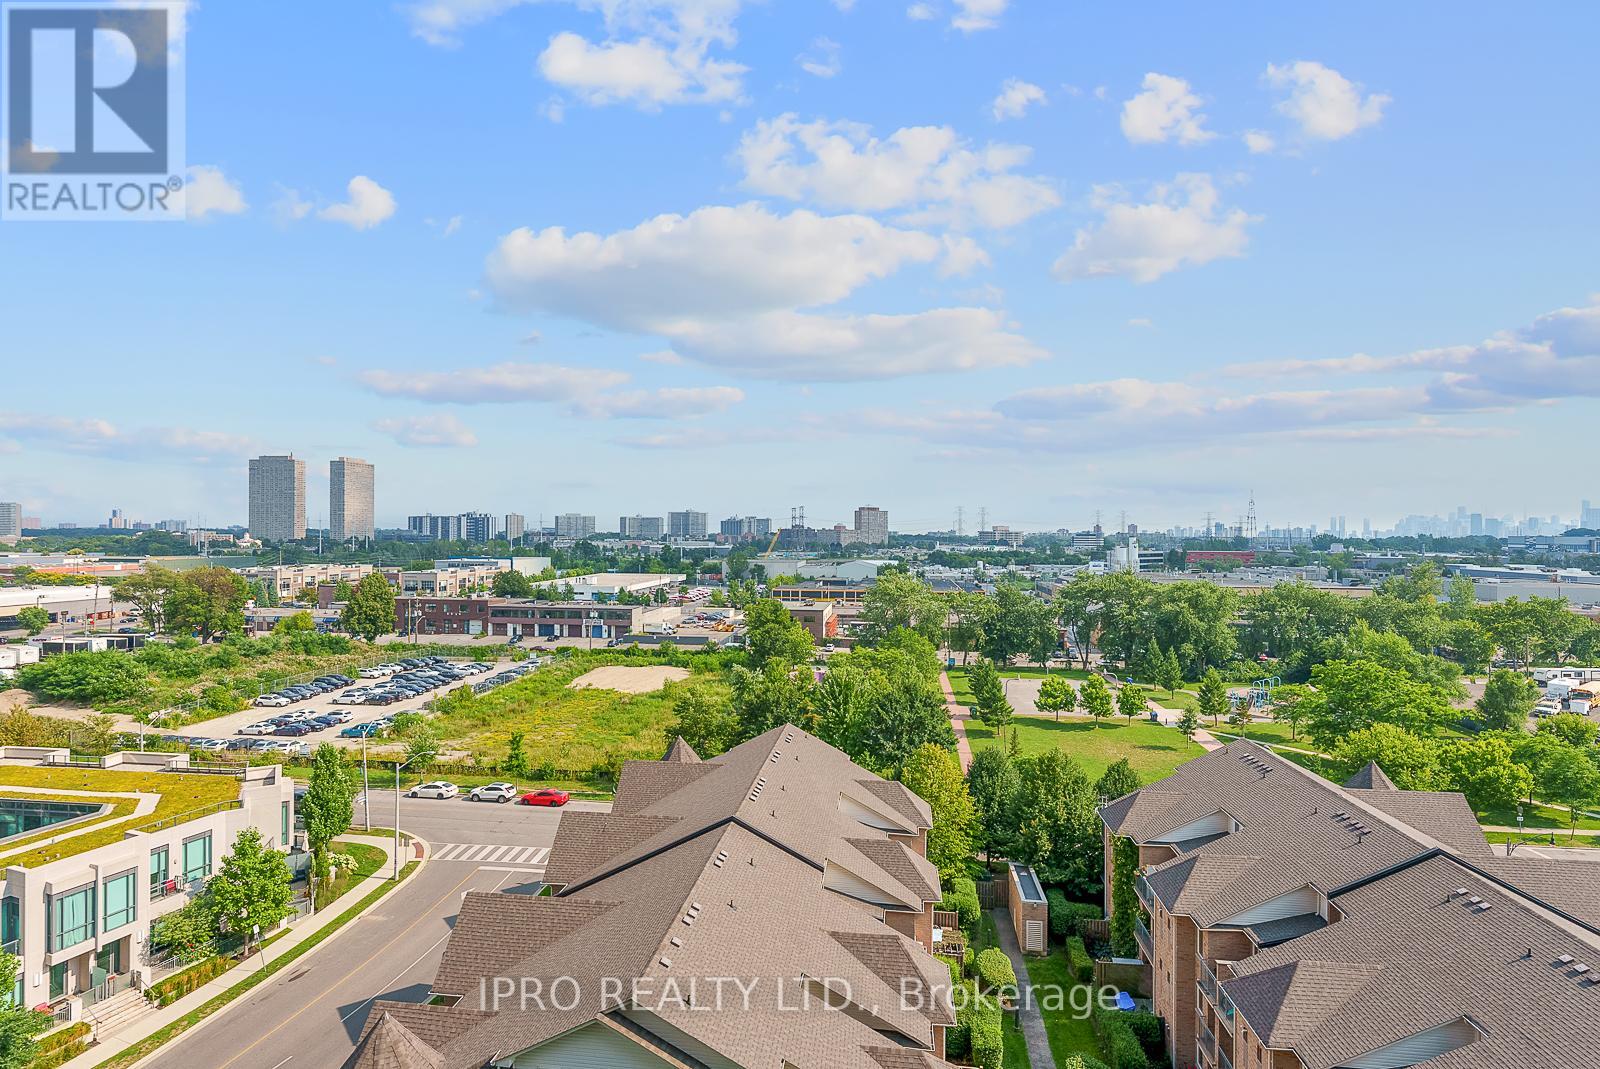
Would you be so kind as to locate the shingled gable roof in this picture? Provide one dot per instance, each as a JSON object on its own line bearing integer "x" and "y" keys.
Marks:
{"x": 1291, "y": 834}
{"x": 785, "y": 785}
{"x": 681, "y": 752}
{"x": 1410, "y": 954}
{"x": 391, "y": 1045}
{"x": 755, "y": 911}
{"x": 1371, "y": 778}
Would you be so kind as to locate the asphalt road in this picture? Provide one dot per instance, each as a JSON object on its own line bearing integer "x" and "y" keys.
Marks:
{"x": 309, "y": 1015}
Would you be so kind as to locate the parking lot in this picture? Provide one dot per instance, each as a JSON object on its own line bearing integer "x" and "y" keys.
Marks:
{"x": 228, "y": 727}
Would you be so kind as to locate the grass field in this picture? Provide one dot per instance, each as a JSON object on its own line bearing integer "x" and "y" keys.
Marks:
{"x": 963, "y": 693}
{"x": 1272, "y": 732}
{"x": 1558, "y": 838}
{"x": 1535, "y": 816}
{"x": 570, "y": 730}
{"x": 1152, "y": 749}
{"x": 1069, "y": 1034}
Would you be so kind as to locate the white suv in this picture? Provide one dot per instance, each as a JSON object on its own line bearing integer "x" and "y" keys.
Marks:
{"x": 435, "y": 789}
{"x": 275, "y": 701}
{"x": 493, "y": 792}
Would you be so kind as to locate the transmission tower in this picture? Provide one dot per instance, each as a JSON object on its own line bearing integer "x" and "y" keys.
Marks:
{"x": 1250, "y": 518}
{"x": 983, "y": 518}
{"x": 961, "y": 521}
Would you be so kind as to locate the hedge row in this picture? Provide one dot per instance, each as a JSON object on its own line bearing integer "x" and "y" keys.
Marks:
{"x": 976, "y": 1034}
{"x": 994, "y": 969}
{"x": 166, "y": 992}
{"x": 61, "y": 1046}
{"x": 961, "y": 898}
{"x": 1067, "y": 917}
{"x": 1127, "y": 1038}
{"x": 1079, "y": 960}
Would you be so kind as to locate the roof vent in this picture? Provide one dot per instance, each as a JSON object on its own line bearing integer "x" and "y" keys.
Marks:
{"x": 666, "y": 963}
{"x": 1459, "y": 891}
{"x": 1340, "y": 815}
{"x": 675, "y": 941}
{"x": 695, "y": 907}
{"x": 1580, "y": 968}
{"x": 1565, "y": 959}
{"x": 1483, "y": 907}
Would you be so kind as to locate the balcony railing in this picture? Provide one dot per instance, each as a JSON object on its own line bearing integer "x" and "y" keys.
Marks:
{"x": 1207, "y": 981}
{"x": 1146, "y": 943}
{"x": 1141, "y": 887}
{"x": 1223, "y": 1061}
{"x": 1208, "y": 1043}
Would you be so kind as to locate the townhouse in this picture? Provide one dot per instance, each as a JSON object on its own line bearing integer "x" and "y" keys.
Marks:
{"x": 1293, "y": 923}
{"x": 772, "y": 906}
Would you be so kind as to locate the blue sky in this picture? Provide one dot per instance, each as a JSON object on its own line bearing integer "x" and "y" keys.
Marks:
{"x": 633, "y": 255}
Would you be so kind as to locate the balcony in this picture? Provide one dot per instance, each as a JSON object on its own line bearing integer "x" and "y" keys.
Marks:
{"x": 1146, "y": 943}
{"x": 1208, "y": 1043}
{"x": 1223, "y": 1061}
{"x": 1207, "y": 981}
{"x": 1141, "y": 887}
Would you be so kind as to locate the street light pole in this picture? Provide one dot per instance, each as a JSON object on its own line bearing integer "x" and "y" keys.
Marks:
{"x": 366, "y": 786}
{"x": 399, "y": 768}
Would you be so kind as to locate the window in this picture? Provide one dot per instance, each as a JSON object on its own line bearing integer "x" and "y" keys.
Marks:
{"x": 11, "y": 924}
{"x": 283, "y": 835}
{"x": 197, "y": 858}
{"x": 159, "y": 868}
{"x": 121, "y": 904}
{"x": 71, "y": 918}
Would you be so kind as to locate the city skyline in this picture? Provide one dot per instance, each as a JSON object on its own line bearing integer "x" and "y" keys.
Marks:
{"x": 874, "y": 252}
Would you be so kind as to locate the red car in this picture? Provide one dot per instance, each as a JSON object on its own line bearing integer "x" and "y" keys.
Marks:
{"x": 548, "y": 796}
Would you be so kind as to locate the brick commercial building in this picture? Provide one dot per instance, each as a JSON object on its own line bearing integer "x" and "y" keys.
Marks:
{"x": 514, "y": 617}
{"x": 1294, "y": 923}
{"x": 820, "y": 619}
{"x": 779, "y": 863}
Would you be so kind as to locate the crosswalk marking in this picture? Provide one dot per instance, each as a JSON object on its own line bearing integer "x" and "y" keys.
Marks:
{"x": 491, "y": 853}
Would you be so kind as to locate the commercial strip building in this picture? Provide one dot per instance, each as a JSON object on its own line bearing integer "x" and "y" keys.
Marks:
{"x": 76, "y": 909}
{"x": 286, "y": 581}
{"x": 779, "y": 863}
{"x": 278, "y": 498}
{"x": 846, "y": 591}
{"x": 820, "y": 619}
{"x": 350, "y": 499}
{"x": 514, "y": 617}
{"x": 64, "y": 604}
{"x": 1300, "y": 924}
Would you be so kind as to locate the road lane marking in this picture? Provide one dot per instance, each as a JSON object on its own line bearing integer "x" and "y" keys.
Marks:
{"x": 497, "y": 853}
{"x": 426, "y": 914}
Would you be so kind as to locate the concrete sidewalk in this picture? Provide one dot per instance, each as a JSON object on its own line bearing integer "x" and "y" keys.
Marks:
{"x": 1033, "y": 1031}
{"x": 959, "y": 715}
{"x": 157, "y": 1018}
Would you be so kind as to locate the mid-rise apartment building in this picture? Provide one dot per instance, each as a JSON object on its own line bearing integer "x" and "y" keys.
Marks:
{"x": 76, "y": 908}
{"x": 278, "y": 498}
{"x": 779, "y": 863}
{"x": 10, "y": 520}
{"x": 1294, "y": 923}
{"x": 514, "y": 527}
{"x": 574, "y": 525}
{"x": 872, "y": 526}
{"x": 350, "y": 499}
{"x": 641, "y": 527}
{"x": 740, "y": 528}
{"x": 686, "y": 524}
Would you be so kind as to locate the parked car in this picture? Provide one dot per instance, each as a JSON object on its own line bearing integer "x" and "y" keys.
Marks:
{"x": 340, "y": 716}
{"x": 548, "y": 796}
{"x": 359, "y": 731}
{"x": 295, "y": 730}
{"x": 493, "y": 792}
{"x": 265, "y": 727}
{"x": 209, "y": 745}
{"x": 435, "y": 789}
{"x": 275, "y": 701}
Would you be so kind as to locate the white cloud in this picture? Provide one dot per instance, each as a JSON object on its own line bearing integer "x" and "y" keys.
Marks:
{"x": 927, "y": 171}
{"x": 644, "y": 72}
{"x": 1322, "y": 102}
{"x": 496, "y": 384}
{"x": 822, "y": 59}
{"x": 369, "y": 205}
{"x": 718, "y": 262}
{"x": 440, "y": 22}
{"x": 1181, "y": 225}
{"x": 210, "y": 192}
{"x": 1142, "y": 322}
{"x": 452, "y": 226}
{"x": 845, "y": 348}
{"x": 290, "y": 206}
{"x": 921, "y": 12}
{"x": 962, "y": 256}
{"x": 101, "y": 437}
{"x": 667, "y": 402}
{"x": 1259, "y": 142}
{"x": 1166, "y": 110}
{"x": 1016, "y": 97}
{"x": 978, "y": 14}
{"x": 662, "y": 356}
{"x": 435, "y": 431}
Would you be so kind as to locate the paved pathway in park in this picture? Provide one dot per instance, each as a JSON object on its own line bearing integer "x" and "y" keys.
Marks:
{"x": 1033, "y": 1032}
{"x": 959, "y": 715}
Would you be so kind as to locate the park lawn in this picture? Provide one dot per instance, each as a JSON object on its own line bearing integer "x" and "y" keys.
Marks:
{"x": 369, "y": 859}
{"x": 1153, "y": 749}
{"x": 1549, "y": 838}
{"x": 963, "y": 693}
{"x": 1271, "y": 732}
{"x": 1069, "y": 1034}
{"x": 1535, "y": 816}
{"x": 1179, "y": 699}
{"x": 569, "y": 731}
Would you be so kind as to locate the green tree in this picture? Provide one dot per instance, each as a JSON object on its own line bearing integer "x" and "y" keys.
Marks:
{"x": 1461, "y": 598}
{"x": 1471, "y": 644}
{"x": 208, "y": 602}
{"x": 771, "y": 695}
{"x": 1484, "y": 769}
{"x": 1124, "y": 899}
{"x": 300, "y": 623}
{"x": 968, "y": 613}
{"x": 1570, "y": 728}
{"x": 771, "y": 633}
{"x": 328, "y": 806}
{"x": 934, "y": 775}
{"x": 1095, "y": 697}
{"x": 516, "y": 762}
{"x": 1351, "y": 695}
{"x": 1056, "y": 695}
{"x": 1058, "y": 827}
{"x": 250, "y": 892}
{"x": 1020, "y": 623}
{"x": 1118, "y": 779}
{"x": 511, "y": 585}
{"x": 1188, "y": 722}
{"x": 989, "y": 694}
{"x": 898, "y": 600}
{"x": 993, "y": 783}
{"x": 1169, "y": 673}
{"x": 33, "y": 619}
{"x": 148, "y": 592}
{"x": 421, "y": 742}
{"x": 1507, "y": 702}
{"x": 92, "y": 677}
{"x": 1212, "y": 699}
{"x": 1411, "y": 762}
{"x": 18, "y": 1024}
{"x": 705, "y": 718}
{"x": 1130, "y": 701}
{"x": 370, "y": 610}
{"x": 1570, "y": 778}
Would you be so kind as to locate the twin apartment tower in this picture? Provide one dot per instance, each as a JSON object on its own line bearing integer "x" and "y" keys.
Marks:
{"x": 278, "y": 499}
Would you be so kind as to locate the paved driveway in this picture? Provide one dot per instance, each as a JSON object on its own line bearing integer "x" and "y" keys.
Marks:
{"x": 309, "y": 1015}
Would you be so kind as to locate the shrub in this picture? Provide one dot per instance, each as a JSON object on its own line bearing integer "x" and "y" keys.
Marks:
{"x": 1118, "y": 1039}
{"x": 987, "y": 1044}
{"x": 174, "y": 987}
{"x": 1079, "y": 959}
{"x": 994, "y": 969}
{"x": 955, "y": 969}
{"x": 961, "y": 898}
{"x": 61, "y": 1046}
{"x": 1083, "y": 1061}
{"x": 1065, "y": 916}
{"x": 1146, "y": 1027}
